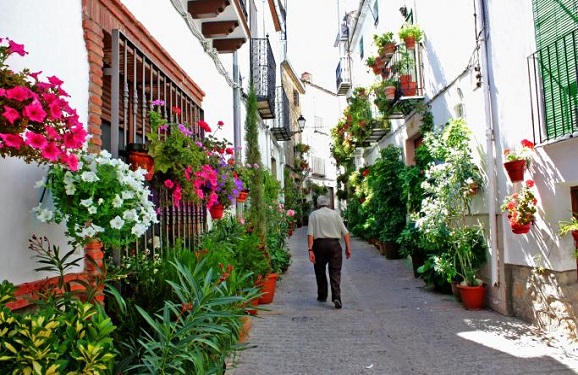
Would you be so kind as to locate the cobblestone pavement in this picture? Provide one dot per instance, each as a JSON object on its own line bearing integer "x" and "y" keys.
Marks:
{"x": 390, "y": 323}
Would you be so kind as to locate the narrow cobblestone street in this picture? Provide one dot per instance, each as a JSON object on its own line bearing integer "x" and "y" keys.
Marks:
{"x": 390, "y": 324}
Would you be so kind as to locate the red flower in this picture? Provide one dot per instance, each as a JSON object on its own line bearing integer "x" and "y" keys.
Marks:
{"x": 176, "y": 110}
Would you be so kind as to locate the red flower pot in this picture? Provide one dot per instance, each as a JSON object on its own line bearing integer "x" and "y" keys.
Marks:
{"x": 216, "y": 211}
{"x": 242, "y": 197}
{"x": 520, "y": 228}
{"x": 138, "y": 157}
{"x": 473, "y": 297}
{"x": 515, "y": 169}
{"x": 268, "y": 289}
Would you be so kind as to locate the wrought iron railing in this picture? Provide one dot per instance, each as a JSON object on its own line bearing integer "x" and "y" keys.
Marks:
{"x": 281, "y": 129}
{"x": 263, "y": 72}
{"x": 552, "y": 75}
{"x": 132, "y": 82}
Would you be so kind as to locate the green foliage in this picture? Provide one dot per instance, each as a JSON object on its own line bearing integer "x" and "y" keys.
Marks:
{"x": 61, "y": 334}
{"x": 383, "y": 39}
{"x": 410, "y": 30}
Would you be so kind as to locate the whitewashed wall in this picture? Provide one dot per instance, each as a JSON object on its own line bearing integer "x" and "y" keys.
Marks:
{"x": 55, "y": 48}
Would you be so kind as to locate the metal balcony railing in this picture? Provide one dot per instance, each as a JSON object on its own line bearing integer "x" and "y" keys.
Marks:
{"x": 552, "y": 75}
{"x": 281, "y": 129}
{"x": 263, "y": 71}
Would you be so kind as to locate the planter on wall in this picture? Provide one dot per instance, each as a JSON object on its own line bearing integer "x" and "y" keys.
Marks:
{"x": 520, "y": 228}
{"x": 216, "y": 211}
{"x": 243, "y": 195}
{"x": 515, "y": 169}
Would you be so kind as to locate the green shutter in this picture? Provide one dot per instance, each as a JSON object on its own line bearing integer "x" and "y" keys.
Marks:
{"x": 556, "y": 23}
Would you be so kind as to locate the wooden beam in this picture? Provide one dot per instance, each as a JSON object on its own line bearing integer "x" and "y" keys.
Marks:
{"x": 219, "y": 29}
{"x": 200, "y": 9}
{"x": 228, "y": 45}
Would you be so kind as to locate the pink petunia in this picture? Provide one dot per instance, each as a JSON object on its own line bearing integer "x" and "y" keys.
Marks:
{"x": 55, "y": 81}
{"x": 14, "y": 47}
{"x": 34, "y": 112}
{"x": 169, "y": 184}
{"x": 213, "y": 199}
{"x": 19, "y": 93}
{"x": 70, "y": 160}
{"x": 10, "y": 114}
{"x": 35, "y": 75}
{"x": 35, "y": 140}
{"x": 12, "y": 140}
{"x": 51, "y": 151}
{"x": 158, "y": 102}
{"x": 51, "y": 133}
{"x": 55, "y": 110}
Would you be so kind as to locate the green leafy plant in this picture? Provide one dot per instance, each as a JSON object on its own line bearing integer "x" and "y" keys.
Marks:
{"x": 103, "y": 199}
{"x": 381, "y": 40}
{"x": 567, "y": 226}
{"x": 61, "y": 334}
{"x": 410, "y": 30}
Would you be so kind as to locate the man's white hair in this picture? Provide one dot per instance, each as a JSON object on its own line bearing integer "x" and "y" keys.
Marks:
{"x": 322, "y": 200}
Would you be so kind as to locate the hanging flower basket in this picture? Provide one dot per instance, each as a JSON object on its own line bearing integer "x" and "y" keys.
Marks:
{"x": 216, "y": 211}
{"x": 515, "y": 169}
{"x": 520, "y": 228}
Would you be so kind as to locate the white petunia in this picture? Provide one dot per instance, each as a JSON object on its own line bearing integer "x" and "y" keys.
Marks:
{"x": 89, "y": 177}
{"x": 117, "y": 222}
{"x": 117, "y": 201}
{"x": 100, "y": 201}
{"x": 86, "y": 202}
{"x": 138, "y": 229}
{"x": 70, "y": 189}
{"x": 127, "y": 194}
{"x": 92, "y": 210}
{"x": 130, "y": 215}
{"x": 43, "y": 214}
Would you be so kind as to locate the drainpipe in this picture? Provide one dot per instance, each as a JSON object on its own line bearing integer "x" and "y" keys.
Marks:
{"x": 237, "y": 119}
{"x": 490, "y": 142}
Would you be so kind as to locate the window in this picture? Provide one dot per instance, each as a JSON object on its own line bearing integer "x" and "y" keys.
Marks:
{"x": 295, "y": 98}
{"x": 375, "y": 13}
{"x": 361, "y": 52}
{"x": 556, "y": 64}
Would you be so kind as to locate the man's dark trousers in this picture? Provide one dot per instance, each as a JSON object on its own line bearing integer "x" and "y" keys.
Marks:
{"x": 328, "y": 252}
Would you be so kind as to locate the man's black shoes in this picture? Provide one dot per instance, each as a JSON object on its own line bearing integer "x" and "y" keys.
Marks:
{"x": 337, "y": 303}
{"x": 322, "y": 299}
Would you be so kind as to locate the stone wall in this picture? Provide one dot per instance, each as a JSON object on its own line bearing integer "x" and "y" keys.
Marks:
{"x": 545, "y": 298}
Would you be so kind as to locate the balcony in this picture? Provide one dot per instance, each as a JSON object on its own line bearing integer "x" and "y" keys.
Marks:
{"x": 281, "y": 129}
{"x": 317, "y": 166}
{"x": 552, "y": 73}
{"x": 224, "y": 22}
{"x": 263, "y": 72}
{"x": 343, "y": 76}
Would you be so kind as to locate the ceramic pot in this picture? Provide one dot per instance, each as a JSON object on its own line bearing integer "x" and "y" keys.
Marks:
{"x": 473, "y": 297}
{"x": 242, "y": 197}
{"x": 520, "y": 228}
{"x": 268, "y": 289}
{"x": 515, "y": 169}
{"x": 216, "y": 211}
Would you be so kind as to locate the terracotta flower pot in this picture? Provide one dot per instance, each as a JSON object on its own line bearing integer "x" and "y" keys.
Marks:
{"x": 390, "y": 92}
{"x": 520, "y": 228}
{"x": 247, "y": 323}
{"x": 242, "y": 197}
{"x": 138, "y": 157}
{"x": 473, "y": 297}
{"x": 268, "y": 289}
{"x": 216, "y": 211}
{"x": 409, "y": 42}
{"x": 515, "y": 169}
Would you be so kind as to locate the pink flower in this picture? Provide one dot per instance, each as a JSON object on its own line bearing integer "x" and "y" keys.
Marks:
{"x": 158, "y": 102}
{"x": 14, "y": 47}
{"x": 35, "y": 140}
{"x": 34, "y": 112}
{"x": 52, "y": 133}
{"x": 10, "y": 114}
{"x": 229, "y": 151}
{"x": 51, "y": 152}
{"x": 213, "y": 199}
{"x": 205, "y": 126}
{"x": 19, "y": 93}
{"x": 55, "y": 110}
{"x": 55, "y": 81}
{"x": 70, "y": 160}
{"x": 169, "y": 184}
{"x": 290, "y": 213}
{"x": 12, "y": 140}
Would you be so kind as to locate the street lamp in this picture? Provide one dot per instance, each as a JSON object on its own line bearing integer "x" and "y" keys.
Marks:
{"x": 301, "y": 121}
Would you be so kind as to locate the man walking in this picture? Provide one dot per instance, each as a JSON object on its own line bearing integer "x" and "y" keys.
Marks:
{"x": 325, "y": 229}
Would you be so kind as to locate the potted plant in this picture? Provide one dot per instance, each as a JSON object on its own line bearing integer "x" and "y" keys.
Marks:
{"x": 471, "y": 288}
{"x": 385, "y": 44}
{"x": 518, "y": 159}
{"x": 521, "y": 208}
{"x": 37, "y": 122}
{"x": 569, "y": 226}
{"x": 410, "y": 33}
{"x": 104, "y": 199}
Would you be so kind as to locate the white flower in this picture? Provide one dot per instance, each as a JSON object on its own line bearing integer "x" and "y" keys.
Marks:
{"x": 89, "y": 177}
{"x": 92, "y": 210}
{"x": 127, "y": 194}
{"x": 130, "y": 215}
{"x": 100, "y": 201}
{"x": 117, "y": 222}
{"x": 43, "y": 214}
{"x": 86, "y": 202}
{"x": 86, "y": 232}
{"x": 138, "y": 229}
{"x": 70, "y": 189}
{"x": 117, "y": 201}
{"x": 39, "y": 184}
